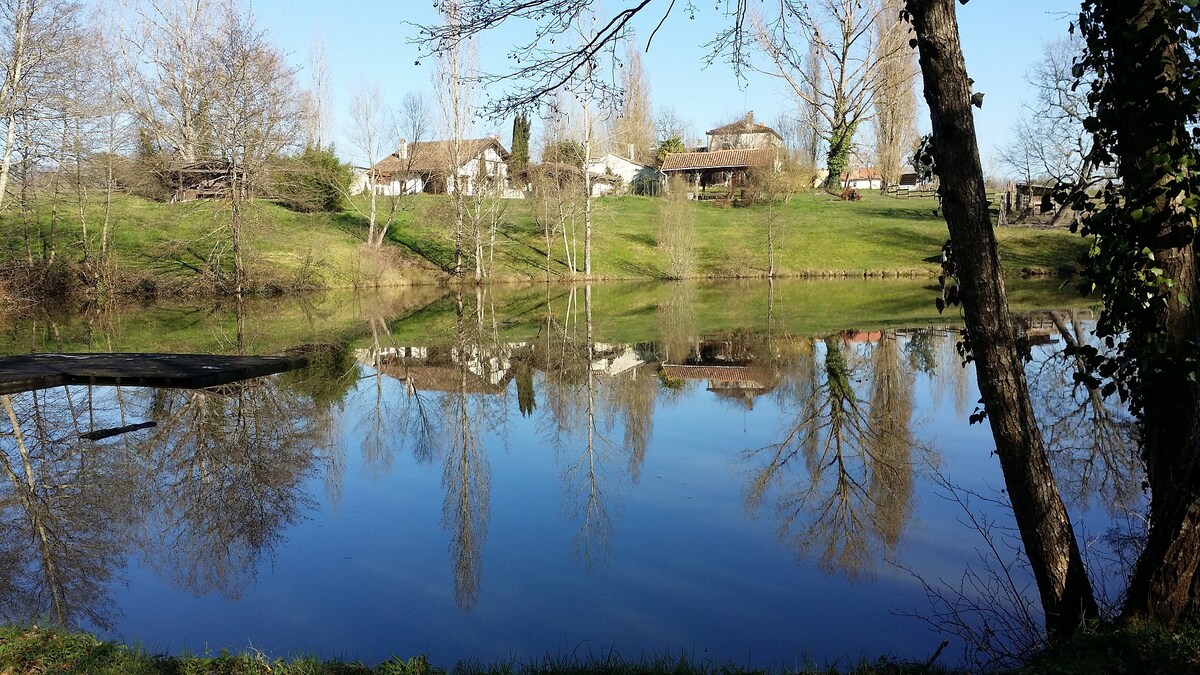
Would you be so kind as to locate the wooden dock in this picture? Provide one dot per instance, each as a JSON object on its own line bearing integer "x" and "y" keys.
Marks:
{"x": 176, "y": 371}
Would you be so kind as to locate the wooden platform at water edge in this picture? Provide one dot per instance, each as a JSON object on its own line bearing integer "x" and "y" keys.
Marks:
{"x": 176, "y": 371}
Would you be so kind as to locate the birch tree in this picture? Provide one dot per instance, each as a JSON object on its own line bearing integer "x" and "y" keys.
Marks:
{"x": 33, "y": 35}
{"x": 372, "y": 136}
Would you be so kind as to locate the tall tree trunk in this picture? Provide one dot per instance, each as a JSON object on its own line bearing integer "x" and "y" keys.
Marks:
{"x": 1037, "y": 505}
{"x": 6, "y": 164}
{"x": 1147, "y": 70}
{"x": 9, "y": 94}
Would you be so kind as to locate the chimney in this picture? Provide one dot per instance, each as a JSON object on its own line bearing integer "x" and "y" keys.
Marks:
{"x": 631, "y": 153}
{"x": 402, "y": 151}
{"x": 750, "y": 117}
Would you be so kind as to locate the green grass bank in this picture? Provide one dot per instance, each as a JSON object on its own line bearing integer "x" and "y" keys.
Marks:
{"x": 30, "y": 650}
{"x": 183, "y": 249}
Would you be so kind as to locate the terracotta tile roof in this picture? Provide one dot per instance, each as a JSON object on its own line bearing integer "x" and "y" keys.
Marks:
{"x": 434, "y": 156}
{"x": 867, "y": 173}
{"x": 743, "y": 126}
{"x": 443, "y": 378}
{"x": 746, "y": 374}
{"x": 719, "y": 159}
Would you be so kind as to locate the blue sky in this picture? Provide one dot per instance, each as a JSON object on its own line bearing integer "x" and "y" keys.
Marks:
{"x": 368, "y": 43}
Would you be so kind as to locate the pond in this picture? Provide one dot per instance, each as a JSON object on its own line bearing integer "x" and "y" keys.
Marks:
{"x": 768, "y": 474}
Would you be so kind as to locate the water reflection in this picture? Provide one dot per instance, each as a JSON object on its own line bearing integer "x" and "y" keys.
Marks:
{"x": 65, "y": 512}
{"x": 1093, "y": 439}
{"x": 203, "y": 497}
{"x": 829, "y": 452}
{"x": 840, "y": 474}
{"x": 222, "y": 478}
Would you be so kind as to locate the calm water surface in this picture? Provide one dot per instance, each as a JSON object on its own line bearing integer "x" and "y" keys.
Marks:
{"x": 741, "y": 472}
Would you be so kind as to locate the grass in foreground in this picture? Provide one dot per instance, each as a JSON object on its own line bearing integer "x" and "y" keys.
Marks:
{"x": 29, "y": 650}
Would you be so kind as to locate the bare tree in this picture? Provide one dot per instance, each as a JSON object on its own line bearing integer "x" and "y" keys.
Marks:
{"x": 253, "y": 114}
{"x": 34, "y": 35}
{"x": 456, "y": 68}
{"x": 113, "y": 123}
{"x": 170, "y": 72}
{"x": 316, "y": 99}
{"x": 839, "y": 84}
{"x": 668, "y": 124}
{"x": 372, "y": 134}
{"x": 895, "y": 96}
{"x": 412, "y": 129}
{"x": 809, "y": 117}
{"x": 1049, "y": 142}
{"x": 632, "y": 133}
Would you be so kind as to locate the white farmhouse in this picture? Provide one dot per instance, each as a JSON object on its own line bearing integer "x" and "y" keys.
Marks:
{"x": 613, "y": 165}
{"x": 429, "y": 166}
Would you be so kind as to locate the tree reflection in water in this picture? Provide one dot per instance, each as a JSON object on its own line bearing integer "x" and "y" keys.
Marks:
{"x": 205, "y": 495}
{"x": 228, "y": 467}
{"x": 65, "y": 513}
{"x": 1092, "y": 440}
{"x": 841, "y": 477}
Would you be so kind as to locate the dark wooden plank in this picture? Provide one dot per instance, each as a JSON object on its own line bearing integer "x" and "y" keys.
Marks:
{"x": 182, "y": 371}
{"x": 101, "y": 434}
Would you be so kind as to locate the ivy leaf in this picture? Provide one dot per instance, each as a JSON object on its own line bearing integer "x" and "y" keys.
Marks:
{"x": 977, "y": 99}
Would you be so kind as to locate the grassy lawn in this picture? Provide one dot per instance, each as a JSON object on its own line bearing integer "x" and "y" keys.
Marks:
{"x": 817, "y": 234}
{"x": 172, "y": 245}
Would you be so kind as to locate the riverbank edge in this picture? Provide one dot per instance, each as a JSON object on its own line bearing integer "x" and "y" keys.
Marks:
{"x": 31, "y": 649}
{"x": 67, "y": 283}
{"x": 1093, "y": 651}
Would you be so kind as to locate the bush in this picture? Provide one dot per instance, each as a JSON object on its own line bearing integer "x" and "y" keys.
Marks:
{"x": 316, "y": 180}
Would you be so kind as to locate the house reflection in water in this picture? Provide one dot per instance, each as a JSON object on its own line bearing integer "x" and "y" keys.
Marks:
{"x": 738, "y": 368}
{"x": 445, "y": 367}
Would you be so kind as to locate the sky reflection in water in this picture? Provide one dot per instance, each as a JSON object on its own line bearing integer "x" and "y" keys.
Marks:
{"x": 492, "y": 479}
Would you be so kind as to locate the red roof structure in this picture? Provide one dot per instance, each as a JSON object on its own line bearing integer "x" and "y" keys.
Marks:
{"x": 744, "y": 126}
{"x": 720, "y": 159}
{"x": 432, "y": 157}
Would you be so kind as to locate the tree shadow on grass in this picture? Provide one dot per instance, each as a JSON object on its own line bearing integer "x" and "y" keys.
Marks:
{"x": 1047, "y": 252}
{"x": 895, "y": 237}
{"x": 643, "y": 239}
{"x": 925, "y": 211}
{"x": 636, "y": 269}
{"x": 350, "y": 223}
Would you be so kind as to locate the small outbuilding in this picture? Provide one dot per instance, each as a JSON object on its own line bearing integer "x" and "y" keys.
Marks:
{"x": 728, "y": 168}
{"x": 607, "y": 169}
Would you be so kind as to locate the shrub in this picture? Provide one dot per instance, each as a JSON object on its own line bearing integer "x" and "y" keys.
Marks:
{"x": 316, "y": 180}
